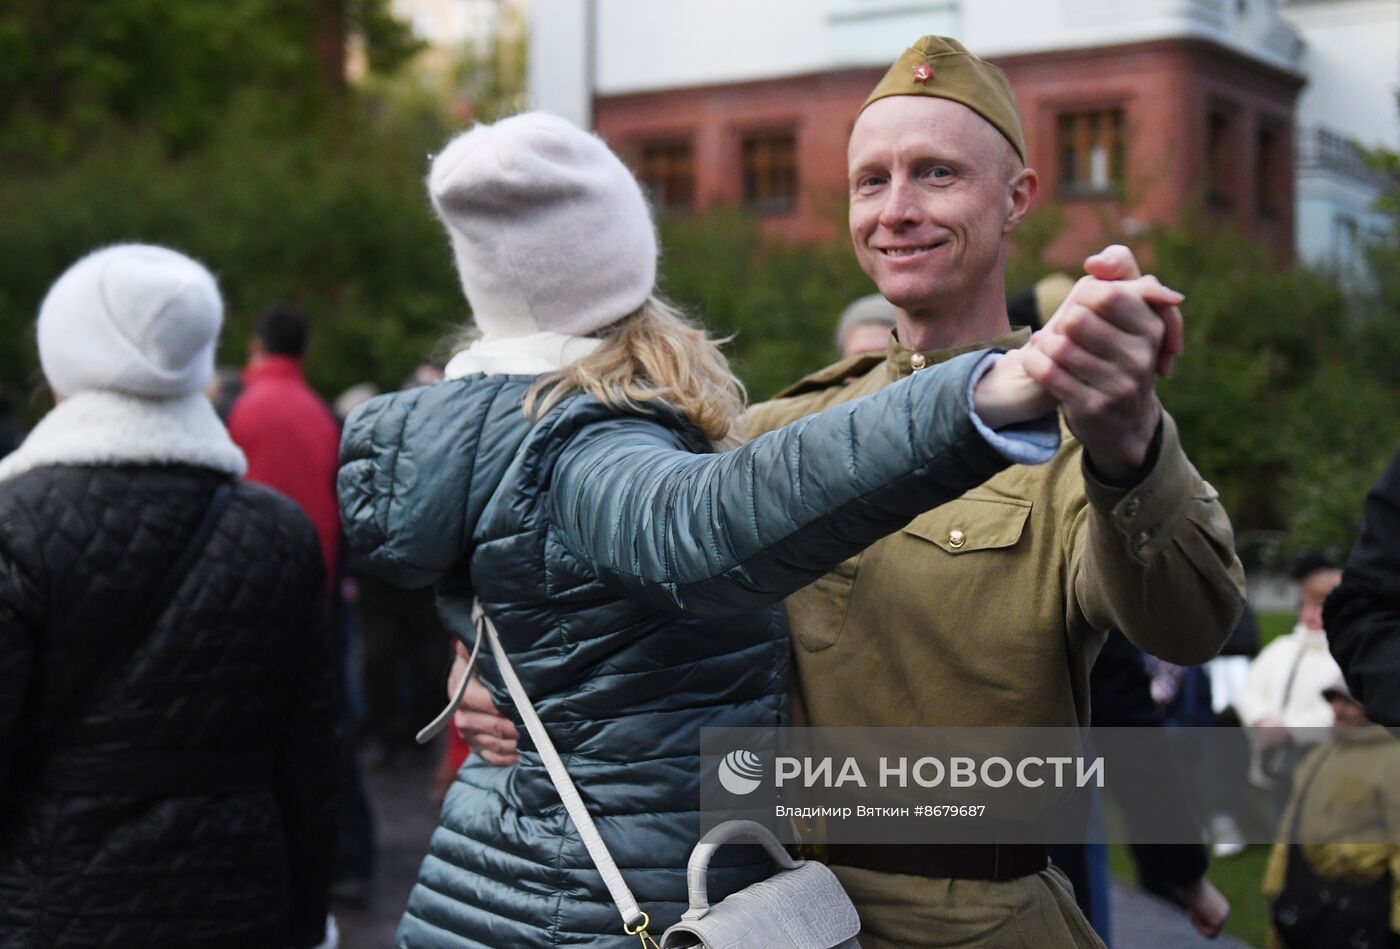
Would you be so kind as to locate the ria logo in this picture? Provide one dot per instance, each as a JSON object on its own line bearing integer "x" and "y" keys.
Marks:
{"x": 740, "y": 772}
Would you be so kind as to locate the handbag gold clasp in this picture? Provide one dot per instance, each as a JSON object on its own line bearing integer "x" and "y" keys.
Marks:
{"x": 641, "y": 932}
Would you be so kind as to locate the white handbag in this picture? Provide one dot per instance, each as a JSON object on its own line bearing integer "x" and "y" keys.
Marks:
{"x": 802, "y": 906}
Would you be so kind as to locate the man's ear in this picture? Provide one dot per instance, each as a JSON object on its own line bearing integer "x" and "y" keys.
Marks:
{"x": 1023, "y": 188}
{"x": 255, "y": 347}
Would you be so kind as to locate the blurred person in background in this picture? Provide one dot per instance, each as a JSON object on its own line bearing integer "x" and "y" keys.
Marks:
{"x": 1334, "y": 874}
{"x": 1224, "y": 774}
{"x": 405, "y": 654}
{"x": 224, "y": 389}
{"x": 1130, "y": 689}
{"x": 1122, "y": 696}
{"x": 424, "y": 374}
{"x": 287, "y": 432}
{"x": 1034, "y": 305}
{"x": 167, "y": 714}
{"x": 291, "y": 440}
{"x": 864, "y": 327}
{"x": 1282, "y": 703}
{"x": 351, "y": 398}
{"x": 1363, "y": 613}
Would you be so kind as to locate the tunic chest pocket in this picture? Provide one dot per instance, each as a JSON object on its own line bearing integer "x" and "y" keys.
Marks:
{"x": 970, "y": 524}
{"x": 817, "y": 612}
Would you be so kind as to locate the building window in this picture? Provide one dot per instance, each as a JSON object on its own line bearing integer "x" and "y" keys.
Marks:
{"x": 1093, "y": 150}
{"x": 1220, "y": 121}
{"x": 668, "y": 174}
{"x": 1346, "y": 237}
{"x": 770, "y": 172}
{"x": 1268, "y": 162}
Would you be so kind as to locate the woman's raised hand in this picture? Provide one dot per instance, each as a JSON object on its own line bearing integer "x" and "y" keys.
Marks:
{"x": 1098, "y": 356}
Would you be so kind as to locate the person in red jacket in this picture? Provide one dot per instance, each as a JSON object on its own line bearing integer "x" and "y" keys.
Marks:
{"x": 292, "y": 442}
{"x": 289, "y": 435}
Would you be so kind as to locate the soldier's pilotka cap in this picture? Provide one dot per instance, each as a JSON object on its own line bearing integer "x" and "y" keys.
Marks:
{"x": 939, "y": 66}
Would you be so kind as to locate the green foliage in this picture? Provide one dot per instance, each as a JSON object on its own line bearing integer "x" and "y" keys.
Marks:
{"x": 335, "y": 219}
{"x": 173, "y": 68}
{"x": 1380, "y": 295}
{"x": 1272, "y": 625}
{"x": 1031, "y": 245}
{"x": 1273, "y": 394}
{"x": 779, "y": 302}
{"x": 218, "y": 127}
{"x": 1387, "y": 164}
{"x": 389, "y": 44}
{"x": 223, "y": 128}
{"x": 489, "y": 78}
{"x": 1288, "y": 395}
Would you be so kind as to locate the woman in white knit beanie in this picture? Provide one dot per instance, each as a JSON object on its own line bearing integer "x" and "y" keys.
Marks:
{"x": 167, "y": 719}
{"x": 567, "y": 476}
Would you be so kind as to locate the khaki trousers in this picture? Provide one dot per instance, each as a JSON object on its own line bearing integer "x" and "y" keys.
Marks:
{"x": 1034, "y": 912}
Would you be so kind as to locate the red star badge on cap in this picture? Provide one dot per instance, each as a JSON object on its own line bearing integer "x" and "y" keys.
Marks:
{"x": 923, "y": 73}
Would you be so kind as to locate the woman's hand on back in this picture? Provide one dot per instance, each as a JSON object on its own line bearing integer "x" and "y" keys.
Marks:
{"x": 486, "y": 731}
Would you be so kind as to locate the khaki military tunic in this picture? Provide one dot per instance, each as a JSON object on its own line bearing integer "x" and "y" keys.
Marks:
{"x": 990, "y": 610}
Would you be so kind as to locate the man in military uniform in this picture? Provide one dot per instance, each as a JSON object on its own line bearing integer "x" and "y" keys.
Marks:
{"x": 989, "y": 609}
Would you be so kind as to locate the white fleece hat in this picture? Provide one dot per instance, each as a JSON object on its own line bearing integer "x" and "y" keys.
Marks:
{"x": 131, "y": 318}
{"x": 550, "y": 229}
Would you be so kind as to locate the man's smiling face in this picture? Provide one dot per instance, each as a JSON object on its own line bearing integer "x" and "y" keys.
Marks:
{"x": 932, "y": 199}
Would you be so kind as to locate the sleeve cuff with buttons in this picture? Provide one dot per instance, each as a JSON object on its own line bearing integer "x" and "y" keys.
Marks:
{"x": 1029, "y": 443}
{"x": 1149, "y": 512}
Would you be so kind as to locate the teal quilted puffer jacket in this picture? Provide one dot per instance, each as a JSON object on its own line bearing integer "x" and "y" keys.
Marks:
{"x": 635, "y": 577}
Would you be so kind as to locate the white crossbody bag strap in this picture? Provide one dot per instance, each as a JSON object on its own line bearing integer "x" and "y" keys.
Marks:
{"x": 633, "y": 919}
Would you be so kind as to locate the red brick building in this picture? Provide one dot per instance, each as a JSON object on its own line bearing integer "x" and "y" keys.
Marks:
{"x": 1122, "y": 136}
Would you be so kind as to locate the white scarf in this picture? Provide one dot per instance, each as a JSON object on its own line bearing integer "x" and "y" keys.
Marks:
{"x": 98, "y": 427}
{"x": 531, "y": 355}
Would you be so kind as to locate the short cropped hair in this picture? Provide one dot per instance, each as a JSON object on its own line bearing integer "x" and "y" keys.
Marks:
{"x": 282, "y": 330}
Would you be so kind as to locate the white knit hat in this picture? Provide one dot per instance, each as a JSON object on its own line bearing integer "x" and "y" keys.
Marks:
{"x": 131, "y": 318}
{"x": 550, "y": 229}
{"x": 866, "y": 311}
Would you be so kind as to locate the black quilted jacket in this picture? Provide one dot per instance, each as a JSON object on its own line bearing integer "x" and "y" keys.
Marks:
{"x": 189, "y": 802}
{"x": 1362, "y": 616}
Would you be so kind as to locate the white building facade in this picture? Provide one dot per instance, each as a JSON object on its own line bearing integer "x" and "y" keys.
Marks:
{"x": 1352, "y": 60}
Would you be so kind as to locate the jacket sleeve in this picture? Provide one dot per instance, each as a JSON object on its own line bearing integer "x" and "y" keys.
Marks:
{"x": 1158, "y": 560}
{"x": 1362, "y": 616}
{"x": 407, "y": 460}
{"x": 719, "y": 534}
{"x": 307, "y": 767}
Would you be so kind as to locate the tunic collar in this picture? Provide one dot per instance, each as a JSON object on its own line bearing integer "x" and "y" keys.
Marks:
{"x": 900, "y": 361}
